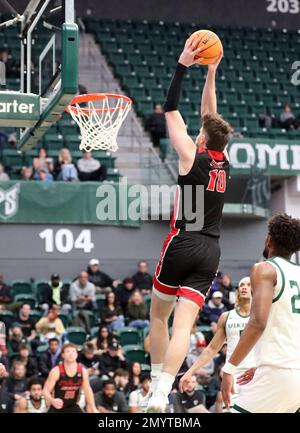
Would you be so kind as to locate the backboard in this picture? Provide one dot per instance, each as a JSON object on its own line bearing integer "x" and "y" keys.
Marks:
{"x": 44, "y": 40}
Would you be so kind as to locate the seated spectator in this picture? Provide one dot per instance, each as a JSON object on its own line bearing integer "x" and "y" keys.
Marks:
{"x": 6, "y": 400}
{"x": 137, "y": 397}
{"x": 16, "y": 384}
{"x": 214, "y": 399}
{"x": 191, "y": 400}
{"x": 55, "y": 293}
{"x": 3, "y": 347}
{"x": 196, "y": 336}
{"x": 82, "y": 293}
{"x": 35, "y": 401}
{"x": 142, "y": 279}
{"x": 26, "y": 173}
{"x": 137, "y": 311}
{"x": 102, "y": 341}
{"x": 3, "y": 175}
{"x": 121, "y": 378}
{"x": 12, "y": 68}
{"x": 135, "y": 371}
{"x": 111, "y": 314}
{"x": 15, "y": 339}
{"x": 92, "y": 362}
{"x": 156, "y": 125}
{"x": 28, "y": 360}
{"x": 194, "y": 354}
{"x": 109, "y": 400}
{"x": 225, "y": 287}
{"x": 50, "y": 326}
{"x": 213, "y": 309}
{"x": 26, "y": 322}
{"x": 42, "y": 161}
{"x": 103, "y": 282}
{"x": 5, "y": 293}
{"x": 113, "y": 359}
{"x": 287, "y": 118}
{"x": 90, "y": 169}
{"x": 43, "y": 175}
{"x": 124, "y": 292}
{"x": 50, "y": 358}
{"x": 65, "y": 169}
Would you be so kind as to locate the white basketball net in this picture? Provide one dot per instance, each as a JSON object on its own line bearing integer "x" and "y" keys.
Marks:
{"x": 99, "y": 125}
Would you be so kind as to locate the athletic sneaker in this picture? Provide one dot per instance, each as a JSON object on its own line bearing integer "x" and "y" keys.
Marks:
{"x": 157, "y": 403}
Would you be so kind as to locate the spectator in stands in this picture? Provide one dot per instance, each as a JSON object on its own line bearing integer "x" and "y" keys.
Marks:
{"x": 6, "y": 401}
{"x": 135, "y": 371}
{"x": 156, "y": 125}
{"x": 103, "y": 282}
{"x": 221, "y": 357}
{"x": 137, "y": 311}
{"x": 3, "y": 347}
{"x": 26, "y": 173}
{"x": 43, "y": 175}
{"x": 142, "y": 279}
{"x": 16, "y": 384}
{"x": 136, "y": 397}
{"x": 90, "y": 169}
{"x": 55, "y": 293}
{"x": 124, "y": 292}
{"x": 92, "y": 362}
{"x": 3, "y": 175}
{"x": 28, "y": 360}
{"x": 51, "y": 325}
{"x": 190, "y": 400}
{"x": 113, "y": 359}
{"x": 287, "y": 118}
{"x": 121, "y": 378}
{"x": 15, "y": 339}
{"x": 102, "y": 341}
{"x": 65, "y": 169}
{"x": 11, "y": 69}
{"x": 5, "y": 293}
{"x": 82, "y": 292}
{"x": 50, "y": 358}
{"x": 196, "y": 336}
{"x": 214, "y": 399}
{"x": 227, "y": 290}
{"x": 213, "y": 309}
{"x": 111, "y": 314}
{"x": 34, "y": 401}
{"x": 42, "y": 161}
{"x": 110, "y": 400}
{"x": 193, "y": 354}
{"x": 26, "y": 322}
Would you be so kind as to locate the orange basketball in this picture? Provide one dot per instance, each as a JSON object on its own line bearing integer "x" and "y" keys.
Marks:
{"x": 212, "y": 43}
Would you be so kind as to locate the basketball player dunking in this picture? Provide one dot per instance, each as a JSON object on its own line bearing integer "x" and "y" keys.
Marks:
{"x": 231, "y": 324}
{"x": 191, "y": 252}
{"x": 65, "y": 382}
{"x": 273, "y": 328}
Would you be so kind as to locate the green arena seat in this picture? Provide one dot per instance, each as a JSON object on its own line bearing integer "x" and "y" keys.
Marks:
{"x": 21, "y": 287}
{"x": 100, "y": 300}
{"x": 76, "y": 335}
{"x": 135, "y": 353}
{"x": 128, "y": 335}
{"x": 65, "y": 317}
{"x": 27, "y": 298}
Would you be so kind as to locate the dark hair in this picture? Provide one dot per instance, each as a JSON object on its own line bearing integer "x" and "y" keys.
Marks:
{"x": 115, "y": 304}
{"x": 25, "y": 303}
{"x": 128, "y": 280}
{"x": 53, "y": 339}
{"x": 34, "y": 381}
{"x": 109, "y": 382}
{"x": 100, "y": 340}
{"x": 88, "y": 346}
{"x": 145, "y": 376}
{"x": 217, "y": 131}
{"x": 121, "y": 372}
{"x": 284, "y": 232}
{"x": 131, "y": 384}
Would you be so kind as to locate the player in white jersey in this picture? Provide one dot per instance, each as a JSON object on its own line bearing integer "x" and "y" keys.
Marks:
{"x": 230, "y": 326}
{"x": 35, "y": 402}
{"x": 273, "y": 328}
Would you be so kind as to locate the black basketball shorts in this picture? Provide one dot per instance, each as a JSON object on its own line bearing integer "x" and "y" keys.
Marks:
{"x": 71, "y": 409}
{"x": 187, "y": 266}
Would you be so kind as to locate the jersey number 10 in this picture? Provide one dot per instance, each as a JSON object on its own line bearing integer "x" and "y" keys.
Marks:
{"x": 217, "y": 181}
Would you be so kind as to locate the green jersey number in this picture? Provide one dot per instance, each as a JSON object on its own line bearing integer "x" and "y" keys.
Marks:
{"x": 295, "y": 300}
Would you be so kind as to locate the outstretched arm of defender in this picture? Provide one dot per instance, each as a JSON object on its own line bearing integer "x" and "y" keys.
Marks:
{"x": 208, "y": 353}
{"x": 179, "y": 137}
{"x": 89, "y": 396}
{"x": 49, "y": 387}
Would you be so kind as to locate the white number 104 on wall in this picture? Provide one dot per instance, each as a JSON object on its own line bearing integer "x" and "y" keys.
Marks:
{"x": 64, "y": 241}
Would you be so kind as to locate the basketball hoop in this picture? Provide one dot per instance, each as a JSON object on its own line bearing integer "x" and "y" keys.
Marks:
{"x": 99, "y": 119}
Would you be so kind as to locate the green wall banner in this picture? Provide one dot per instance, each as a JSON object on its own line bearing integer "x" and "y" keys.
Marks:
{"x": 69, "y": 203}
{"x": 278, "y": 158}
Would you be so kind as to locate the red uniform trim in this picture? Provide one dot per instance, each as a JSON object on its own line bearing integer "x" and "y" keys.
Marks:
{"x": 214, "y": 154}
{"x": 192, "y": 294}
{"x": 164, "y": 288}
{"x": 62, "y": 369}
{"x": 79, "y": 368}
{"x": 166, "y": 243}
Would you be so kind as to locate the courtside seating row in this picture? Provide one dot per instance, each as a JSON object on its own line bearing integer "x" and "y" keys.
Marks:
{"x": 254, "y": 76}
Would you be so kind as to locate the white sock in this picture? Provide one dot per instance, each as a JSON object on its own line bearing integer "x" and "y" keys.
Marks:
{"x": 165, "y": 383}
{"x": 156, "y": 370}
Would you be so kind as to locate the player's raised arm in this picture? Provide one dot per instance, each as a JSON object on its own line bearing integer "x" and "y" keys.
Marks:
{"x": 49, "y": 387}
{"x": 208, "y": 353}
{"x": 89, "y": 396}
{"x": 180, "y": 140}
{"x": 209, "y": 96}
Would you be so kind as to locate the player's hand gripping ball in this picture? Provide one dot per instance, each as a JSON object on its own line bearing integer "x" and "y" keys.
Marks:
{"x": 212, "y": 46}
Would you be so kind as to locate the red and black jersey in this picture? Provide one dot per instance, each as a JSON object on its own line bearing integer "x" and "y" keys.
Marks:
{"x": 194, "y": 211}
{"x": 68, "y": 388}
